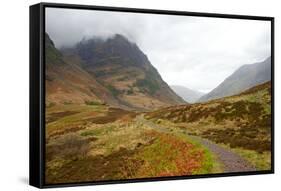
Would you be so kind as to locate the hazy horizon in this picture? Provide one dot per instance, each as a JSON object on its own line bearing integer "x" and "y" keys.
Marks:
{"x": 194, "y": 52}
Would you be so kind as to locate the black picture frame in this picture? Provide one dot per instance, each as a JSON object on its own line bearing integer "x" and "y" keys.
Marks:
{"x": 37, "y": 92}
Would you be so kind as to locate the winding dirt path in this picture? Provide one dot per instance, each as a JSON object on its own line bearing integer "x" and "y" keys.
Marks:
{"x": 231, "y": 161}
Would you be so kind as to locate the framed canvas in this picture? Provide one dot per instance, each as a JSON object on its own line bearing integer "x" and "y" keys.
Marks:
{"x": 122, "y": 95}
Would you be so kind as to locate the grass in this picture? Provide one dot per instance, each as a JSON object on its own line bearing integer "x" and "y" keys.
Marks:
{"x": 167, "y": 156}
{"x": 157, "y": 159}
{"x": 92, "y": 102}
{"x": 76, "y": 156}
{"x": 79, "y": 117}
{"x": 123, "y": 149}
{"x": 70, "y": 146}
{"x": 210, "y": 163}
{"x": 67, "y": 102}
{"x": 95, "y": 142}
{"x": 243, "y": 122}
{"x": 89, "y": 133}
{"x": 99, "y": 131}
{"x": 174, "y": 154}
{"x": 262, "y": 161}
{"x": 50, "y": 104}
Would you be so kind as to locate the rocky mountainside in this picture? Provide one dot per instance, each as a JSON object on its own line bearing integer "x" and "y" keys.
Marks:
{"x": 113, "y": 71}
{"x": 245, "y": 77}
{"x": 189, "y": 95}
{"x": 68, "y": 83}
{"x": 122, "y": 68}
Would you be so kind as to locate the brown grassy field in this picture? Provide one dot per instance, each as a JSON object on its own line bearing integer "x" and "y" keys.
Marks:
{"x": 241, "y": 123}
{"x": 93, "y": 142}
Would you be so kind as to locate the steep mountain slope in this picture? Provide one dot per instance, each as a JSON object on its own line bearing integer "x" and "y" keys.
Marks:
{"x": 68, "y": 83}
{"x": 121, "y": 67}
{"x": 245, "y": 77}
{"x": 189, "y": 95}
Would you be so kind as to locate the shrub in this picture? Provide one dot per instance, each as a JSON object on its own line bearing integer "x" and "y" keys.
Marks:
{"x": 92, "y": 102}
{"x": 148, "y": 84}
{"x": 130, "y": 91}
{"x": 67, "y": 102}
{"x": 51, "y": 104}
{"x": 113, "y": 90}
{"x": 70, "y": 146}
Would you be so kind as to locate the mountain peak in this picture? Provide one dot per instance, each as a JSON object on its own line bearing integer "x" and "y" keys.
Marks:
{"x": 116, "y": 49}
{"x": 120, "y": 37}
{"x": 116, "y": 38}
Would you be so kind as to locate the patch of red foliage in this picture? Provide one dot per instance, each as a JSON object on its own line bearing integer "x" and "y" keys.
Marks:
{"x": 188, "y": 158}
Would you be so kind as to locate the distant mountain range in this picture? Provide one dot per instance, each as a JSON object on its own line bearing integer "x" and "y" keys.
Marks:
{"x": 112, "y": 71}
{"x": 116, "y": 72}
{"x": 243, "y": 78}
{"x": 189, "y": 95}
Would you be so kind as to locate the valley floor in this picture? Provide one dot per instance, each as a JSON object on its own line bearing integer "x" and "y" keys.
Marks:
{"x": 97, "y": 142}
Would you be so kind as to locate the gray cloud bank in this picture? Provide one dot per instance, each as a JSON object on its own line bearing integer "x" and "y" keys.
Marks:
{"x": 196, "y": 52}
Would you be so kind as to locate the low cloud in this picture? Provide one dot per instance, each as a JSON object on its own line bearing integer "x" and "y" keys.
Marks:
{"x": 196, "y": 52}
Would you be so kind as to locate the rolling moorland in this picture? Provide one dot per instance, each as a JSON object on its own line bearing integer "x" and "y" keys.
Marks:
{"x": 101, "y": 128}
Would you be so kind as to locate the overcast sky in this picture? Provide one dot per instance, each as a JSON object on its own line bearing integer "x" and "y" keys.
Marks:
{"x": 195, "y": 52}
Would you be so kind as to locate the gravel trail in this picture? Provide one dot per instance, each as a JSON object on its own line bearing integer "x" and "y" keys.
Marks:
{"x": 232, "y": 162}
